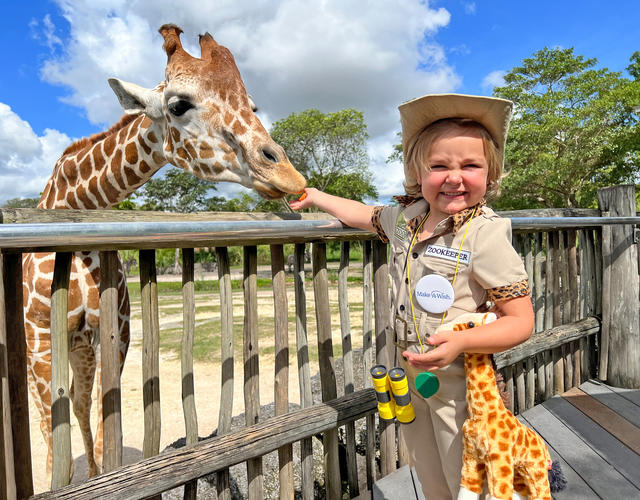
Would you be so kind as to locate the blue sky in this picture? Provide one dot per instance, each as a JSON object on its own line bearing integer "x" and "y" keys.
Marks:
{"x": 293, "y": 55}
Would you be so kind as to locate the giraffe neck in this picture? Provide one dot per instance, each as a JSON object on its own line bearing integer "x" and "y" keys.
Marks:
{"x": 103, "y": 170}
{"x": 483, "y": 398}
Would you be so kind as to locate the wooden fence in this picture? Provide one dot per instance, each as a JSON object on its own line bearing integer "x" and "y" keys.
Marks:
{"x": 569, "y": 256}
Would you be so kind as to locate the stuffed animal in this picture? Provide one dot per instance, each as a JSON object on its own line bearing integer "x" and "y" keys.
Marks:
{"x": 496, "y": 446}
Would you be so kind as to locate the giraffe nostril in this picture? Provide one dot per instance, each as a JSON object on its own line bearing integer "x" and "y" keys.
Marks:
{"x": 269, "y": 155}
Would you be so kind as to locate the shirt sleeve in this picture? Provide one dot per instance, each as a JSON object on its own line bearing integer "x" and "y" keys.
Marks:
{"x": 383, "y": 219}
{"x": 497, "y": 267}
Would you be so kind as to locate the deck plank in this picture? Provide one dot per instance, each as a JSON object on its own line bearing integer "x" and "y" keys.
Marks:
{"x": 576, "y": 486}
{"x": 606, "y": 418}
{"x": 602, "y": 477}
{"x": 399, "y": 485}
{"x": 632, "y": 395}
{"x": 618, "y": 403}
{"x": 625, "y": 461}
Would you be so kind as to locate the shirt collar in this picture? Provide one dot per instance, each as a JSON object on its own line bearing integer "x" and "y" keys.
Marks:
{"x": 417, "y": 207}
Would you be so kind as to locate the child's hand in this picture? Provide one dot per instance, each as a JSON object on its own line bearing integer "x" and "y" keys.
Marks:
{"x": 448, "y": 348}
{"x": 306, "y": 200}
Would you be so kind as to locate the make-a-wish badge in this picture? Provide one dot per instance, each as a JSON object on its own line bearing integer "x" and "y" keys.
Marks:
{"x": 434, "y": 293}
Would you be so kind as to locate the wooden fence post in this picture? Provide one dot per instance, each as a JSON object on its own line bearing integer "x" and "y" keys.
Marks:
{"x": 620, "y": 306}
{"x": 17, "y": 374}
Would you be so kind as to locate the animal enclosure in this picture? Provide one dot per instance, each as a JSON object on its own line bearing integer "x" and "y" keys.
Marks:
{"x": 569, "y": 255}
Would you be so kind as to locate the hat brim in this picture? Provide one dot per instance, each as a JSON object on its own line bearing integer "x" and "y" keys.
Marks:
{"x": 491, "y": 112}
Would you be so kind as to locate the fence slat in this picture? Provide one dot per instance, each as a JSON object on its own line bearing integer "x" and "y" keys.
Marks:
{"x": 558, "y": 365}
{"x": 226, "y": 362}
{"x": 7, "y": 471}
{"x": 186, "y": 359}
{"x": 60, "y": 402}
{"x": 150, "y": 353}
{"x": 384, "y": 348}
{"x": 567, "y": 303}
{"x": 574, "y": 347}
{"x": 17, "y": 373}
{"x": 250, "y": 360}
{"x": 327, "y": 368}
{"x": 347, "y": 363}
{"x": 368, "y": 355}
{"x": 281, "y": 378}
{"x": 110, "y": 360}
{"x": 304, "y": 375}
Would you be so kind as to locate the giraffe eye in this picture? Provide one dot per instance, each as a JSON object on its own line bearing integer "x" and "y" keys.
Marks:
{"x": 179, "y": 107}
{"x": 470, "y": 324}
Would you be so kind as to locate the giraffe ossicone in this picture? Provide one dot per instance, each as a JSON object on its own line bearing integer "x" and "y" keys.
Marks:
{"x": 200, "y": 119}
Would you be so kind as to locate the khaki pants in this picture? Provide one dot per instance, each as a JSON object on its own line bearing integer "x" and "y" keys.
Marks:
{"x": 434, "y": 438}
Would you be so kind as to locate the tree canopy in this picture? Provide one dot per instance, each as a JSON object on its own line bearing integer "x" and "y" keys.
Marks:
{"x": 21, "y": 203}
{"x": 178, "y": 191}
{"x": 575, "y": 129}
{"x": 330, "y": 150}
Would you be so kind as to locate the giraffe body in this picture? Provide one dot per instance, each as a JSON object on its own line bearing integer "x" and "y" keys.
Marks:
{"x": 497, "y": 448}
{"x": 199, "y": 119}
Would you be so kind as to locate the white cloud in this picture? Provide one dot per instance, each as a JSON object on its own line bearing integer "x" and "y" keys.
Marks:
{"x": 493, "y": 79}
{"x": 26, "y": 159}
{"x": 293, "y": 54}
{"x": 469, "y": 8}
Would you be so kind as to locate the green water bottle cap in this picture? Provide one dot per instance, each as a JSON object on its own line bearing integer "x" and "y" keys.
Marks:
{"x": 427, "y": 384}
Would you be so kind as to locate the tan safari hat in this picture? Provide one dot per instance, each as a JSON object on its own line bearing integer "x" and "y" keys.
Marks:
{"x": 491, "y": 112}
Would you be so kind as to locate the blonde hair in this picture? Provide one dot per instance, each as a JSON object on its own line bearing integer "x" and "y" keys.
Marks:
{"x": 418, "y": 151}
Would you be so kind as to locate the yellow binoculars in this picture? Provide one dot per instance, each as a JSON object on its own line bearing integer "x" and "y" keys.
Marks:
{"x": 392, "y": 392}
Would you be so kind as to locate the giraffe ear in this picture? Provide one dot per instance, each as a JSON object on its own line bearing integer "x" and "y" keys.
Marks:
{"x": 135, "y": 99}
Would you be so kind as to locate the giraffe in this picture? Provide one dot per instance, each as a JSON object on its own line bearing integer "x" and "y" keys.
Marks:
{"x": 496, "y": 446}
{"x": 200, "y": 119}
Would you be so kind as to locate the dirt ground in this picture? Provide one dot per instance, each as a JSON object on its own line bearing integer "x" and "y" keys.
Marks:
{"x": 207, "y": 393}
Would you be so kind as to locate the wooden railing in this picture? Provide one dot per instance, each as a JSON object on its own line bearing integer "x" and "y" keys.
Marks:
{"x": 563, "y": 258}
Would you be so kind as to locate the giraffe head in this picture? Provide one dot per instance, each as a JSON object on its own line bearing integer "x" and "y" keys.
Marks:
{"x": 207, "y": 120}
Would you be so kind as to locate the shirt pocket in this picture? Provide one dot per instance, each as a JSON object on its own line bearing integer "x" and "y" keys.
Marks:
{"x": 443, "y": 267}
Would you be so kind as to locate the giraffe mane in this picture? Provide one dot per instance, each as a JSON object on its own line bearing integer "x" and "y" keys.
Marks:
{"x": 95, "y": 138}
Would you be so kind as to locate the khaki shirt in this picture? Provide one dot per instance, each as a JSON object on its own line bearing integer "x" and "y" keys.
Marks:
{"x": 489, "y": 267}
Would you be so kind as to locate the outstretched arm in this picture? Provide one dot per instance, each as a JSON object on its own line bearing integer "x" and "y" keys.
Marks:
{"x": 512, "y": 328}
{"x": 352, "y": 213}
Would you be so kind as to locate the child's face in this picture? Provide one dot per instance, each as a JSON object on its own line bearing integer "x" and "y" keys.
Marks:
{"x": 457, "y": 175}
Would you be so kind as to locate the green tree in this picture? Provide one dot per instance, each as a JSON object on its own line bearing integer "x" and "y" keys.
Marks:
{"x": 21, "y": 203}
{"x": 178, "y": 191}
{"x": 574, "y": 130}
{"x": 634, "y": 67}
{"x": 330, "y": 150}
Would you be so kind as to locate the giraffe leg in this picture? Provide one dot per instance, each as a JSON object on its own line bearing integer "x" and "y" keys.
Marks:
{"x": 500, "y": 479}
{"x": 40, "y": 390}
{"x": 473, "y": 473}
{"x": 83, "y": 363}
{"x": 98, "y": 444}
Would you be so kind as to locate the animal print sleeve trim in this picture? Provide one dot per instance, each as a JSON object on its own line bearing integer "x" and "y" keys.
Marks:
{"x": 377, "y": 225}
{"x": 519, "y": 289}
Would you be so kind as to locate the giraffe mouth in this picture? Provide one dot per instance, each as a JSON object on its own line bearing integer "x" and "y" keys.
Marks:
{"x": 266, "y": 190}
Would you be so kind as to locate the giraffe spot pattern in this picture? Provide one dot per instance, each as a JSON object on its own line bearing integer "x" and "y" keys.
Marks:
{"x": 131, "y": 153}
{"x": 206, "y": 151}
{"x": 146, "y": 148}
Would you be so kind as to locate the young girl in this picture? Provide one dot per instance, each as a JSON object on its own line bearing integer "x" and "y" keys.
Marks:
{"x": 443, "y": 234}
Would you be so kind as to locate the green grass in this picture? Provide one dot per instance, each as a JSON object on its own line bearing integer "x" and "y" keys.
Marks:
{"x": 175, "y": 287}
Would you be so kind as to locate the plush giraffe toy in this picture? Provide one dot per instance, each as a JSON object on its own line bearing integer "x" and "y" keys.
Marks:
{"x": 496, "y": 446}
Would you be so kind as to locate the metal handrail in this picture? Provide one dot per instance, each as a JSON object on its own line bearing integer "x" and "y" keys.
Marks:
{"x": 118, "y": 235}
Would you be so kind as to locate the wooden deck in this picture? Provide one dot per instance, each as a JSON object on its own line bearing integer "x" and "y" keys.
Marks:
{"x": 595, "y": 433}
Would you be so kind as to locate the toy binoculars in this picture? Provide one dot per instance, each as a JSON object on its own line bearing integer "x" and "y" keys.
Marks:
{"x": 392, "y": 392}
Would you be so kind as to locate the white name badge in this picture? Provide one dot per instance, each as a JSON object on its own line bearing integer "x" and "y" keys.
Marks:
{"x": 434, "y": 293}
